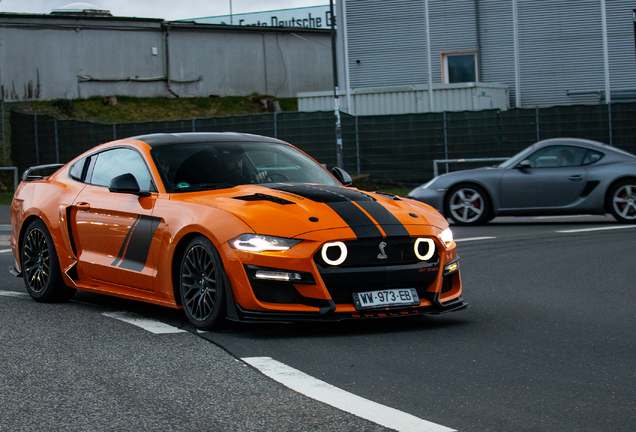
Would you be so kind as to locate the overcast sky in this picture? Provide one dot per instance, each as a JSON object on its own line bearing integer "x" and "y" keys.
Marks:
{"x": 166, "y": 9}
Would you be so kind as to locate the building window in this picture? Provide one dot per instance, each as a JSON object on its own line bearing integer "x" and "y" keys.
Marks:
{"x": 459, "y": 67}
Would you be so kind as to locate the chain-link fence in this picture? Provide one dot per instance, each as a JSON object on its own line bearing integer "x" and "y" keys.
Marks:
{"x": 395, "y": 149}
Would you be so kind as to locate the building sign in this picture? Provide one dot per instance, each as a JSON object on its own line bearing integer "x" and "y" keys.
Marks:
{"x": 310, "y": 17}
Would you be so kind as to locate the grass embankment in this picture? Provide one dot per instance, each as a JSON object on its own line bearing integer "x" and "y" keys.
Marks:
{"x": 124, "y": 109}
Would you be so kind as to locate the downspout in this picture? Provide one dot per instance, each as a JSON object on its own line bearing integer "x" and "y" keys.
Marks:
{"x": 343, "y": 23}
{"x": 167, "y": 50}
{"x": 606, "y": 69}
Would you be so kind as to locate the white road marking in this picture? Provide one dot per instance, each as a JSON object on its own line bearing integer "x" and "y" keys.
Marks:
{"x": 474, "y": 238}
{"x": 343, "y": 400}
{"x": 14, "y": 294}
{"x": 5, "y": 250}
{"x": 152, "y": 326}
{"x": 597, "y": 229}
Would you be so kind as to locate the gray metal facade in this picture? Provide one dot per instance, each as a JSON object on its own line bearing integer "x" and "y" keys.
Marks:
{"x": 558, "y": 60}
{"x": 44, "y": 57}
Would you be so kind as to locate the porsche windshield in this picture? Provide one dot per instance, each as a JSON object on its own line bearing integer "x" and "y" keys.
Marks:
{"x": 215, "y": 165}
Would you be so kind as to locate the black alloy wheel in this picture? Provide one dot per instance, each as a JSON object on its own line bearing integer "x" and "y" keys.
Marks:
{"x": 202, "y": 284}
{"x": 40, "y": 266}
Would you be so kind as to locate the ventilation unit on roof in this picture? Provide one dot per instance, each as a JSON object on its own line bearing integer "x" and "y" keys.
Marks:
{"x": 81, "y": 9}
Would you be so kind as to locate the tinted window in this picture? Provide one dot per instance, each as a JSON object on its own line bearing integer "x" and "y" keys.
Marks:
{"x": 592, "y": 157}
{"x": 557, "y": 156}
{"x": 112, "y": 163}
{"x": 77, "y": 170}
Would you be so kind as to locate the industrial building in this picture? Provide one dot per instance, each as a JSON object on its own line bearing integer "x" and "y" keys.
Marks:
{"x": 393, "y": 55}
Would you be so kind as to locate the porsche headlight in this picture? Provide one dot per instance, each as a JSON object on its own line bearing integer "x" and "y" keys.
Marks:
{"x": 262, "y": 243}
{"x": 447, "y": 236}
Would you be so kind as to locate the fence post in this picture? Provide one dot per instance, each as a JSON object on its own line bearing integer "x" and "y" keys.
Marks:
{"x": 4, "y": 141}
{"x": 445, "y": 140}
{"x": 194, "y": 128}
{"x": 536, "y": 120}
{"x": 275, "y": 124}
{"x": 114, "y": 131}
{"x": 357, "y": 145}
{"x": 37, "y": 145}
{"x": 609, "y": 117}
{"x": 57, "y": 144}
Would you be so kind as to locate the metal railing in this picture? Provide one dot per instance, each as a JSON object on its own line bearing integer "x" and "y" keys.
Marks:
{"x": 447, "y": 161}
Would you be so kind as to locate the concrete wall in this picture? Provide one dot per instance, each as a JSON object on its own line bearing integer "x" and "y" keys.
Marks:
{"x": 45, "y": 57}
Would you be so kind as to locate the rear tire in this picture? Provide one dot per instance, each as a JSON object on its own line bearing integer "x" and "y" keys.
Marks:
{"x": 468, "y": 205}
{"x": 202, "y": 282}
{"x": 622, "y": 201}
{"x": 41, "y": 267}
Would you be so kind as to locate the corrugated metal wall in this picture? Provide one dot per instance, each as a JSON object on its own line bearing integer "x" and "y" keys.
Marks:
{"x": 386, "y": 43}
{"x": 496, "y": 51}
{"x": 620, "y": 34}
{"x": 560, "y": 49}
{"x": 560, "y": 44}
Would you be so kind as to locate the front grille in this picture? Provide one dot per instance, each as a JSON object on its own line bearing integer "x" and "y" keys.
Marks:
{"x": 447, "y": 284}
{"x": 363, "y": 253}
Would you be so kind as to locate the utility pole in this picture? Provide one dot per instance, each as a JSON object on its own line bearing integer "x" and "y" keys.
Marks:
{"x": 334, "y": 59}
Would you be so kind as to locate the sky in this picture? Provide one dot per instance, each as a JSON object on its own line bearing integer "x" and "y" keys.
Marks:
{"x": 166, "y": 9}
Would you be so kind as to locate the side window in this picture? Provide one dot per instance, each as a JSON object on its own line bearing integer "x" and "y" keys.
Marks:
{"x": 592, "y": 157}
{"x": 77, "y": 171}
{"x": 112, "y": 163}
{"x": 557, "y": 156}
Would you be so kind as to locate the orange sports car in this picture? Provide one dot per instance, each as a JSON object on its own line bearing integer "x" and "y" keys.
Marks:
{"x": 229, "y": 226}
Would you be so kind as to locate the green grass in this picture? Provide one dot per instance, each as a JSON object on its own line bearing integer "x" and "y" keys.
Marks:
{"x": 6, "y": 196}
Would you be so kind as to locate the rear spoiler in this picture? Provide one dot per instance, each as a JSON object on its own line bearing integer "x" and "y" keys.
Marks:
{"x": 29, "y": 175}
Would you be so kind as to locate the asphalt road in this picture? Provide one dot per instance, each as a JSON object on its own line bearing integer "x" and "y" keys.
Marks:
{"x": 548, "y": 345}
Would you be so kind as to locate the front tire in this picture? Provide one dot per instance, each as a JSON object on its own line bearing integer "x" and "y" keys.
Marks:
{"x": 622, "y": 201}
{"x": 41, "y": 267}
{"x": 468, "y": 205}
{"x": 202, "y": 284}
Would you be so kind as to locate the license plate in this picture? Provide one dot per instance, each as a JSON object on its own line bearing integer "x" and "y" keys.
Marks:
{"x": 386, "y": 298}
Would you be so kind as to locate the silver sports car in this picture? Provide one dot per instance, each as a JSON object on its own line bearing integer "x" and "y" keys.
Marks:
{"x": 560, "y": 176}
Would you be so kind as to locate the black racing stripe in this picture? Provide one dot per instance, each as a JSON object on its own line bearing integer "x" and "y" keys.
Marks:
{"x": 322, "y": 193}
{"x": 391, "y": 225}
{"x": 358, "y": 221}
{"x": 140, "y": 240}
{"x": 120, "y": 255}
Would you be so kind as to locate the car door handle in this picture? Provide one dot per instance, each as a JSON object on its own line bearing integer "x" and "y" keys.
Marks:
{"x": 576, "y": 177}
{"x": 83, "y": 206}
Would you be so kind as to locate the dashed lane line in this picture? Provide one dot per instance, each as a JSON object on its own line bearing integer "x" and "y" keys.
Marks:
{"x": 343, "y": 400}
{"x": 596, "y": 229}
{"x": 152, "y": 326}
{"x": 474, "y": 239}
{"x": 14, "y": 294}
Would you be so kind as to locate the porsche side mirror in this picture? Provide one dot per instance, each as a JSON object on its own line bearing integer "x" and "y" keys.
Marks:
{"x": 342, "y": 176}
{"x": 126, "y": 183}
{"x": 524, "y": 164}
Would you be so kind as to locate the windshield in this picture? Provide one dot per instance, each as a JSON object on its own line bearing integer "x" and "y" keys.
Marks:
{"x": 216, "y": 165}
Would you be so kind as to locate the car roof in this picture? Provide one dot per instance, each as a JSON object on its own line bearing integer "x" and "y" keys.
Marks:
{"x": 159, "y": 139}
{"x": 584, "y": 143}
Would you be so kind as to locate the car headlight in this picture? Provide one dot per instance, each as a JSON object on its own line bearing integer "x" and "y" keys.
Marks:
{"x": 447, "y": 236}
{"x": 262, "y": 243}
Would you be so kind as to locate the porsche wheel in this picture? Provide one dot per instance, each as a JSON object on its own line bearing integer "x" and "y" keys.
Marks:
{"x": 202, "y": 284}
{"x": 468, "y": 205}
{"x": 40, "y": 266}
{"x": 623, "y": 201}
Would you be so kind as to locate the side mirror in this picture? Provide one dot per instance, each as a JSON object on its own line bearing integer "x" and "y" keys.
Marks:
{"x": 524, "y": 164}
{"x": 126, "y": 183}
{"x": 342, "y": 176}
